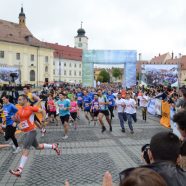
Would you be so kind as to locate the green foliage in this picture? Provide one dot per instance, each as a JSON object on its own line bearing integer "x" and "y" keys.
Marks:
{"x": 103, "y": 76}
{"x": 116, "y": 72}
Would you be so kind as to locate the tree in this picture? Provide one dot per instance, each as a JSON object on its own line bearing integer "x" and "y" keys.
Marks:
{"x": 116, "y": 72}
{"x": 103, "y": 76}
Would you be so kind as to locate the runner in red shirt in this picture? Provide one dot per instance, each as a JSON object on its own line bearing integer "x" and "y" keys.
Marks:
{"x": 25, "y": 119}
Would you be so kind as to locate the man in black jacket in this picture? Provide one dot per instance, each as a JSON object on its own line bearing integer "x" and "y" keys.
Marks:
{"x": 163, "y": 153}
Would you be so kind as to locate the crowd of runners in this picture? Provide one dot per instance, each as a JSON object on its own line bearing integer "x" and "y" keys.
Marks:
{"x": 31, "y": 109}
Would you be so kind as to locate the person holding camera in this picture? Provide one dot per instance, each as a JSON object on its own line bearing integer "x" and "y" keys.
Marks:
{"x": 162, "y": 155}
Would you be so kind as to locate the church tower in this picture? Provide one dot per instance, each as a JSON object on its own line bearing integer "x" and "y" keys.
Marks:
{"x": 22, "y": 18}
{"x": 81, "y": 41}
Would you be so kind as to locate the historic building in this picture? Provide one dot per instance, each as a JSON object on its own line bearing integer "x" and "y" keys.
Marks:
{"x": 67, "y": 63}
{"x": 21, "y": 50}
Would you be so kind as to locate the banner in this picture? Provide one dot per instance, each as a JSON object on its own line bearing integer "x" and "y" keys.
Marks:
{"x": 151, "y": 107}
{"x": 174, "y": 125}
{"x": 158, "y": 107}
{"x": 165, "y": 119}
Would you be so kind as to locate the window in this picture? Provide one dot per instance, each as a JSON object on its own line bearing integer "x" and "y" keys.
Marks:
{"x": 32, "y": 75}
{"x": 46, "y": 69}
{"x": 54, "y": 72}
{"x": 2, "y": 54}
{"x": 46, "y": 59}
{"x": 79, "y": 73}
{"x": 59, "y": 63}
{"x": 70, "y": 65}
{"x": 32, "y": 57}
{"x": 53, "y": 62}
{"x": 65, "y": 64}
{"x": 65, "y": 73}
{"x": 18, "y": 56}
{"x": 70, "y": 72}
{"x": 75, "y": 65}
{"x": 79, "y": 65}
{"x": 74, "y": 73}
{"x": 80, "y": 39}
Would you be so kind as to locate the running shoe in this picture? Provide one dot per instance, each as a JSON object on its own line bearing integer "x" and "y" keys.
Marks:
{"x": 16, "y": 172}
{"x": 43, "y": 131}
{"x": 56, "y": 148}
{"x": 65, "y": 137}
{"x": 103, "y": 129}
{"x": 17, "y": 150}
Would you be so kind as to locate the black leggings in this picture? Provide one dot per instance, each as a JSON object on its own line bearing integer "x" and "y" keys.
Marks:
{"x": 10, "y": 133}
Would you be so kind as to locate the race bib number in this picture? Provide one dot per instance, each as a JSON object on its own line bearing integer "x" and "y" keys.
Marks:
{"x": 86, "y": 105}
{"x": 61, "y": 106}
{"x": 110, "y": 102}
{"x": 96, "y": 107}
{"x": 24, "y": 125}
{"x": 79, "y": 98}
{"x": 5, "y": 113}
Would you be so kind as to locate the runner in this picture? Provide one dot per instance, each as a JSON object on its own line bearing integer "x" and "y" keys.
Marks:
{"x": 111, "y": 105}
{"x": 64, "y": 113}
{"x": 130, "y": 110}
{"x": 73, "y": 111}
{"x": 95, "y": 108}
{"x": 51, "y": 109}
{"x": 9, "y": 111}
{"x": 144, "y": 98}
{"x": 103, "y": 103}
{"x": 86, "y": 105}
{"x": 25, "y": 119}
{"x": 120, "y": 105}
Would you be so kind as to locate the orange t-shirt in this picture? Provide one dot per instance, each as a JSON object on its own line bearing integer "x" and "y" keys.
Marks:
{"x": 26, "y": 116}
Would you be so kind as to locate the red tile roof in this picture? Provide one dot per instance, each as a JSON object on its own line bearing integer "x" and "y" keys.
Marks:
{"x": 66, "y": 52}
{"x": 160, "y": 59}
{"x": 15, "y": 33}
{"x": 183, "y": 62}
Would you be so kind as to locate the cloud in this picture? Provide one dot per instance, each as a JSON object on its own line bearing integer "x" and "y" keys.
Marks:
{"x": 151, "y": 27}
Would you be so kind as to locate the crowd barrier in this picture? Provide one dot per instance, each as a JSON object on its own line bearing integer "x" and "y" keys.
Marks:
{"x": 162, "y": 108}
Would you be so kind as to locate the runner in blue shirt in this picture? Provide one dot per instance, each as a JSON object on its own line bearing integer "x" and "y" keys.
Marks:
{"x": 64, "y": 112}
{"x": 86, "y": 105}
{"x": 111, "y": 99}
{"x": 9, "y": 111}
{"x": 79, "y": 96}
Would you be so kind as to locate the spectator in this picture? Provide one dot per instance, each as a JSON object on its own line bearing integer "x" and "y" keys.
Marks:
{"x": 143, "y": 177}
{"x": 180, "y": 119}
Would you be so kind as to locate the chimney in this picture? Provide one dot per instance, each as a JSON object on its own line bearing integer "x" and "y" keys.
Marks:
{"x": 172, "y": 55}
{"x": 139, "y": 56}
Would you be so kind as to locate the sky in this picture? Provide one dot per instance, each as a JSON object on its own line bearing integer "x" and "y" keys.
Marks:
{"x": 151, "y": 27}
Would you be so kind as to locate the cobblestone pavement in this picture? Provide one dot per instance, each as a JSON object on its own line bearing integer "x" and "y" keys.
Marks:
{"x": 86, "y": 154}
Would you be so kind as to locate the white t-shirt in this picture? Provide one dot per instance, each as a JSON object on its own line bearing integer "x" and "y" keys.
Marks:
{"x": 143, "y": 101}
{"x": 119, "y": 103}
{"x": 130, "y": 106}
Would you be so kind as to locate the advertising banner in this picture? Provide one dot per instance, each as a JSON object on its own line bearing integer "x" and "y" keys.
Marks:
{"x": 154, "y": 75}
{"x": 151, "y": 107}
{"x": 165, "y": 119}
{"x": 158, "y": 107}
{"x": 9, "y": 74}
{"x": 174, "y": 125}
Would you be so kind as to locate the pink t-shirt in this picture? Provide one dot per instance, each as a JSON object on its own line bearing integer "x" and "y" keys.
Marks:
{"x": 73, "y": 106}
{"x": 51, "y": 104}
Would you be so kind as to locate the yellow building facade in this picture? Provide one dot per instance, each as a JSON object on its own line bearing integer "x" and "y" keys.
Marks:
{"x": 20, "y": 49}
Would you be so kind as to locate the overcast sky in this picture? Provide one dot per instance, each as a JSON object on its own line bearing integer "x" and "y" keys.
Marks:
{"x": 148, "y": 26}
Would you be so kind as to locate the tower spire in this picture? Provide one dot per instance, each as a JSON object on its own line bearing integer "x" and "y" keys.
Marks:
{"x": 81, "y": 24}
{"x": 22, "y": 17}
